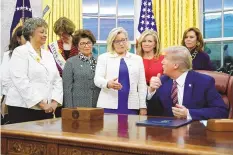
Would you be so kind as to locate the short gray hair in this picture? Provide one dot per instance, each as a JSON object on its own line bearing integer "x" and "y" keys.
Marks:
{"x": 112, "y": 36}
{"x": 31, "y": 24}
{"x": 180, "y": 55}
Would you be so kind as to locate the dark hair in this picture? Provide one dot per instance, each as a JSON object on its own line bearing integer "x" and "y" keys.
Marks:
{"x": 64, "y": 24}
{"x": 83, "y": 33}
{"x": 14, "y": 42}
{"x": 200, "y": 41}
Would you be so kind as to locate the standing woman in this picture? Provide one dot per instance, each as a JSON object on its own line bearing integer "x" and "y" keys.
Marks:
{"x": 63, "y": 48}
{"x": 121, "y": 77}
{"x": 36, "y": 88}
{"x": 193, "y": 40}
{"x": 78, "y": 73}
{"x": 149, "y": 50}
{"x": 16, "y": 40}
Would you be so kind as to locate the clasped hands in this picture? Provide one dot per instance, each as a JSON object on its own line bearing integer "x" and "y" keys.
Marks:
{"x": 48, "y": 108}
{"x": 179, "y": 111}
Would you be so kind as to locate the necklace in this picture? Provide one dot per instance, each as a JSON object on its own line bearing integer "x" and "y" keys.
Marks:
{"x": 194, "y": 54}
{"x": 148, "y": 57}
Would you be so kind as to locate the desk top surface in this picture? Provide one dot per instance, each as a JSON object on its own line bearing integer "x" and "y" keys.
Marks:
{"x": 121, "y": 131}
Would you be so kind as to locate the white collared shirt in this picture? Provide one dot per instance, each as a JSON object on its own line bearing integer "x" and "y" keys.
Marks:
{"x": 180, "y": 86}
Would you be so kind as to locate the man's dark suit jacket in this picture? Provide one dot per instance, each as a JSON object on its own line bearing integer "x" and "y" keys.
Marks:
{"x": 200, "y": 97}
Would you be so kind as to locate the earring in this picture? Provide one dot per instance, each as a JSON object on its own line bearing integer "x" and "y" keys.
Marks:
{"x": 198, "y": 44}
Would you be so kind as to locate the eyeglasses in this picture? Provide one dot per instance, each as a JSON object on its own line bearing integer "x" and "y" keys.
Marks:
{"x": 83, "y": 44}
{"x": 118, "y": 42}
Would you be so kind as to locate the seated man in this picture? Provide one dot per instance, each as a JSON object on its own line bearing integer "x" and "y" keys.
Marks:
{"x": 182, "y": 92}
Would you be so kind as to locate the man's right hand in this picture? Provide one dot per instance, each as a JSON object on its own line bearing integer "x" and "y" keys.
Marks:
{"x": 155, "y": 83}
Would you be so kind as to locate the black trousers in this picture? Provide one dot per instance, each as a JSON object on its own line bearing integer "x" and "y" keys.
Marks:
{"x": 19, "y": 114}
{"x": 58, "y": 111}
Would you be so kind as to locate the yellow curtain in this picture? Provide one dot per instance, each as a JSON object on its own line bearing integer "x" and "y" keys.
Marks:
{"x": 54, "y": 9}
{"x": 173, "y": 17}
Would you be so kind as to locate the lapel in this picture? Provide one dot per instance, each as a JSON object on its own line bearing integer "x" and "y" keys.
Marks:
{"x": 35, "y": 56}
{"x": 169, "y": 89}
{"x": 132, "y": 67}
{"x": 165, "y": 91}
{"x": 188, "y": 88}
{"x": 84, "y": 67}
{"x": 165, "y": 95}
{"x": 128, "y": 60}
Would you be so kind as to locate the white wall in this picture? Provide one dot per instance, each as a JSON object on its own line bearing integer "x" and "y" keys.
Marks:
{"x": 7, "y": 12}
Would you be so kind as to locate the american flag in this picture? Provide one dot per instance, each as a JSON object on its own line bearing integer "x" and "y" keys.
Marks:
{"x": 23, "y": 10}
{"x": 146, "y": 20}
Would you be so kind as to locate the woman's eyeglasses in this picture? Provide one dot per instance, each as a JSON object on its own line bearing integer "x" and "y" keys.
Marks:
{"x": 118, "y": 42}
{"x": 83, "y": 44}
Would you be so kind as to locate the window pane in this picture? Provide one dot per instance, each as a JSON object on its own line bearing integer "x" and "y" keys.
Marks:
{"x": 90, "y": 7}
{"x": 132, "y": 50}
{"x": 212, "y": 25}
{"x": 128, "y": 25}
{"x": 214, "y": 51}
{"x": 228, "y": 24}
{"x": 107, "y": 7}
{"x": 102, "y": 49}
{"x": 228, "y": 52}
{"x": 91, "y": 24}
{"x": 125, "y": 7}
{"x": 106, "y": 25}
{"x": 212, "y": 5}
{"x": 228, "y": 4}
{"x": 95, "y": 51}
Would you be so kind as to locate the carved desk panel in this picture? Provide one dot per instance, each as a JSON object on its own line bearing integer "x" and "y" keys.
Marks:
{"x": 116, "y": 135}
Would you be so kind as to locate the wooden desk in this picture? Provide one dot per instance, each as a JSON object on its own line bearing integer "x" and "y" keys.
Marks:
{"x": 117, "y": 135}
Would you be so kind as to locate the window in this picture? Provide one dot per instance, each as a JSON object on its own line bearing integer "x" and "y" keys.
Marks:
{"x": 101, "y": 16}
{"x": 218, "y": 30}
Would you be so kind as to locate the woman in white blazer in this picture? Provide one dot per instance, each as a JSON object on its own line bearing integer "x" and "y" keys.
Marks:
{"x": 121, "y": 77}
{"x": 17, "y": 39}
{"x": 36, "y": 88}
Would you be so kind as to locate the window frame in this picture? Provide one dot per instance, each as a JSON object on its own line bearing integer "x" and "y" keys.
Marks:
{"x": 222, "y": 39}
{"x": 116, "y": 16}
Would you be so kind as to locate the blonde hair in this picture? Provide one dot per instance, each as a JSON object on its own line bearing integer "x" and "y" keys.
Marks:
{"x": 140, "y": 51}
{"x": 112, "y": 36}
{"x": 180, "y": 55}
